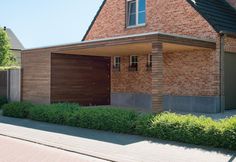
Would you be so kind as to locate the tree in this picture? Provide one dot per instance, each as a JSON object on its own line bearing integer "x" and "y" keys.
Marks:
{"x": 6, "y": 56}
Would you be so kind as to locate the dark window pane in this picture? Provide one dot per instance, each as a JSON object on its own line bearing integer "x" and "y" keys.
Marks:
{"x": 132, "y": 20}
{"x": 131, "y": 13}
{"x": 132, "y": 7}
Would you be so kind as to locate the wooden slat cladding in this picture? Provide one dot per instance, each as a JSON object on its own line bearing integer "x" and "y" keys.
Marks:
{"x": 80, "y": 79}
{"x": 36, "y": 76}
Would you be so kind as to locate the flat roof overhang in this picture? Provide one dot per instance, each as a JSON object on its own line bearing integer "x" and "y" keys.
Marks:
{"x": 132, "y": 44}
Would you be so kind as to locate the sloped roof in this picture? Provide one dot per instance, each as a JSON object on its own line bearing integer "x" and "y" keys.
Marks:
{"x": 14, "y": 41}
{"x": 219, "y": 14}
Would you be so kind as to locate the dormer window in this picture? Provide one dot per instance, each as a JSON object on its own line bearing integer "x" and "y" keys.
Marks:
{"x": 136, "y": 13}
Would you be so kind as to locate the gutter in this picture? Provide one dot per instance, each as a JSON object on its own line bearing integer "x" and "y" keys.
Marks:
{"x": 231, "y": 34}
{"x": 221, "y": 68}
{"x": 223, "y": 34}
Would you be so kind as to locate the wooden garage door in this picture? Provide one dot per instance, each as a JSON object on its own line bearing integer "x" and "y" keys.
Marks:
{"x": 230, "y": 80}
{"x": 80, "y": 79}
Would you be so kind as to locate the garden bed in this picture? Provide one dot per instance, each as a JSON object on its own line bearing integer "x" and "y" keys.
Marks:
{"x": 167, "y": 126}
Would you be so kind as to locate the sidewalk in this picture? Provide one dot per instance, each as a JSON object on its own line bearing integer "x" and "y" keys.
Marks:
{"x": 110, "y": 146}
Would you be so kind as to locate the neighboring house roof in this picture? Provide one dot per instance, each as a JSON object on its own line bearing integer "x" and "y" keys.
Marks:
{"x": 14, "y": 41}
{"x": 219, "y": 14}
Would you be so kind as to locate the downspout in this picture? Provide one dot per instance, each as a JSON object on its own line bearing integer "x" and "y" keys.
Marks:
{"x": 222, "y": 78}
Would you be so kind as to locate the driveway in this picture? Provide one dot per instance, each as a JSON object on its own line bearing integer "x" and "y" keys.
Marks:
{"x": 110, "y": 146}
{"x": 13, "y": 150}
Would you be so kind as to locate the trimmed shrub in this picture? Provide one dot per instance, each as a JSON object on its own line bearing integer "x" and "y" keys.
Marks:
{"x": 228, "y": 127}
{"x": 3, "y": 101}
{"x": 110, "y": 119}
{"x": 189, "y": 129}
{"x": 166, "y": 126}
{"x": 17, "y": 109}
{"x": 55, "y": 113}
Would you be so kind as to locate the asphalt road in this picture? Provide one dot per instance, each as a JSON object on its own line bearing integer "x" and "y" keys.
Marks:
{"x": 14, "y": 150}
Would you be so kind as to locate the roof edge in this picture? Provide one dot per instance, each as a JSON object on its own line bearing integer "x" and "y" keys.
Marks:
{"x": 94, "y": 19}
{"x": 205, "y": 17}
{"x": 122, "y": 37}
{"x": 228, "y": 33}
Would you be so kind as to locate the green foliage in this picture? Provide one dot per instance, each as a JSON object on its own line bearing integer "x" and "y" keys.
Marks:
{"x": 110, "y": 119}
{"x": 3, "y": 101}
{"x": 9, "y": 67}
{"x": 55, "y": 113}
{"x": 166, "y": 126}
{"x": 17, "y": 109}
{"x": 189, "y": 129}
{"x": 6, "y": 57}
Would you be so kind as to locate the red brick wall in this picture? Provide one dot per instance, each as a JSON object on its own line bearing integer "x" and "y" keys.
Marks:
{"x": 230, "y": 44}
{"x": 186, "y": 73}
{"x": 169, "y": 16}
{"x": 232, "y": 2}
{"x": 129, "y": 81}
{"x": 190, "y": 73}
{"x": 179, "y": 17}
{"x": 111, "y": 20}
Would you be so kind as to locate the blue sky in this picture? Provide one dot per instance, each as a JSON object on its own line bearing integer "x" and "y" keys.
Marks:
{"x": 48, "y": 22}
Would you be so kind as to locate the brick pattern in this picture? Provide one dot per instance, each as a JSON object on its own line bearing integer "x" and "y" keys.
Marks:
{"x": 112, "y": 20}
{"x": 191, "y": 73}
{"x": 232, "y": 2}
{"x": 157, "y": 77}
{"x": 230, "y": 44}
{"x": 131, "y": 81}
{"x": 169, "y": 16}
{"x": 179, "y": 17}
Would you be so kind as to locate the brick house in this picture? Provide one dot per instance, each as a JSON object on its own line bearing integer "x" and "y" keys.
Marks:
{"x": 152, "y": 55}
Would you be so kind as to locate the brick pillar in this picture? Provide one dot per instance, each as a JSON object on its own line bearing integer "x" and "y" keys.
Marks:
{"x": 157, "y": 77}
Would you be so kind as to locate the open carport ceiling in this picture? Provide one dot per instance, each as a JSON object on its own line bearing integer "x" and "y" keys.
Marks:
{"x": 129, "y": 49}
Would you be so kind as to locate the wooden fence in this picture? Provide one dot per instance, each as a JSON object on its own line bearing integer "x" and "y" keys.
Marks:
{"x": 10, "y": 84}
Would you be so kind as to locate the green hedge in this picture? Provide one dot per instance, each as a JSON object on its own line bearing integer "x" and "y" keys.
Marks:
{"x": 189, "y": 129}
{"x": 17, "y": 109}
{"x": 115, "y": 120}
{"x": 166, "y": 126}
{"x": 3, "y": 101}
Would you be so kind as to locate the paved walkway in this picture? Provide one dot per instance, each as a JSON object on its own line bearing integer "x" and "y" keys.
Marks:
{"x": 13, "y": 150}
{"x": 110, "y": 146}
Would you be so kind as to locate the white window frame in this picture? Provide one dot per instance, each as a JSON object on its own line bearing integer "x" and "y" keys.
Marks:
{"x": 115, "y": 63}
{"x": 137, "y": 14}
{"x": 130, "y": 60}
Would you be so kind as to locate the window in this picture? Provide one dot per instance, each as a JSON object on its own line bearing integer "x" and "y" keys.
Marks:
{"x": 136, "y": 12}
{"x": 149, "y": 63}
{"x": 133, "y": 63}
{"x": 149, "y": 60}
{"x": 116, "y": 62}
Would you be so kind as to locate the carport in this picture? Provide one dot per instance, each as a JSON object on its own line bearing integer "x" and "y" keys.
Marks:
{"x": 81, "y": 72}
